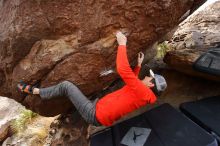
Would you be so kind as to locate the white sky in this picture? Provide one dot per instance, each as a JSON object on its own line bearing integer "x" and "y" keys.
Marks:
{"x": 208, "y": 2}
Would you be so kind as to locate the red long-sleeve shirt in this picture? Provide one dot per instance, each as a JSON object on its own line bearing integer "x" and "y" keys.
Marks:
{"x": 125, "y": 100}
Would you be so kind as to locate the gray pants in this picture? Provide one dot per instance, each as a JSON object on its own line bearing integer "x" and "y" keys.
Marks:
{"x": 67, "y": 89}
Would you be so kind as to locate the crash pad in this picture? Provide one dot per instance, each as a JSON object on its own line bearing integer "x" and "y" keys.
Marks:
{"x": 161, "y": 126}
{"x": 209, "y": 62}
{"x": 206, "y": 113}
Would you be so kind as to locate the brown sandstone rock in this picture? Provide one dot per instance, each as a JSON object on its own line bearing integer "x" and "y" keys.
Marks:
{"x": 193, "y": 37}
{"x": 51, "y": 41}
{"x": 69, "y": 130}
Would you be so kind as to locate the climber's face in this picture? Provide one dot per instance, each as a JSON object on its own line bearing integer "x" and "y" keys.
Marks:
{"x": 147, "y": 81}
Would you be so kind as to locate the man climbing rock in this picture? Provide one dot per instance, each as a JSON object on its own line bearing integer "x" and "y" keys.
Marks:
{"x": 105, "y": 111}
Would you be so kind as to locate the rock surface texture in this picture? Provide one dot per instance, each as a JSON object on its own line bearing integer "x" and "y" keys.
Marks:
{"x": 47, "y": 42}
{"x": 9, "y": 110}
{"x": 34, "y": 134}
{"x": 193, "y": 37}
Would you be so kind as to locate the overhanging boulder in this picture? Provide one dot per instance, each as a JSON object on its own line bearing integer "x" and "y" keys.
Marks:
{"x": 50, "y": 41}
{"x": 193, "y": 37}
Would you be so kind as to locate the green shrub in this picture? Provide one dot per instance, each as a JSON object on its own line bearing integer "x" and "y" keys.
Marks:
{"x": 19, "y": 124}
{"x": 162, "y": 49}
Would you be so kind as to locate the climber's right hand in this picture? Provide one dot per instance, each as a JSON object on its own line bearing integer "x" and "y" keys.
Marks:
{"x": 121, "y": 38}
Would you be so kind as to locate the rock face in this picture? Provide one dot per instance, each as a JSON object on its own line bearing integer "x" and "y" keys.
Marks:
{"x": 192, "y": 38}
{"x": 9, "y": 110}
{"x": 50, "y": 41}
{"x": 69, "y": 130}
{"x": 34, "y": 133}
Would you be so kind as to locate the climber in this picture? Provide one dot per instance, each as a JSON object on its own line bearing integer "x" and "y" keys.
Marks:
{"x": 105, "y": 111}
